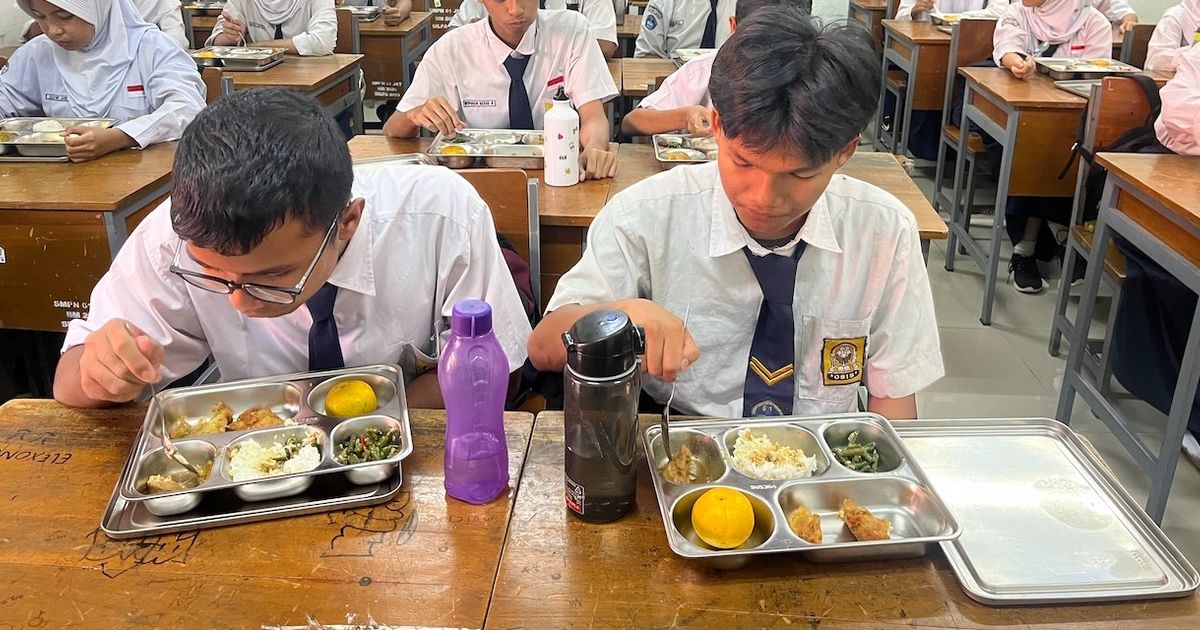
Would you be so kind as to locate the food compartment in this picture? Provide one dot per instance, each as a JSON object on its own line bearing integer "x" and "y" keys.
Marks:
{"x": 197, "y": 412}
{"x": 693, "y": 545}
{"x": 456, "y": 155}
{"x": 707, "y": 462}
{"x": 159, "y": 474}
{"x": 500, "y": 137}
{"x": 888, "y": 456}
{"x": 18, "y": 125}
{"x": 514, "y": 156}
{"x": 775, "y": 458}
{"x": 377, "y": 437}
{"x": 381, "y": 386}
{"x": 272, "y": 453}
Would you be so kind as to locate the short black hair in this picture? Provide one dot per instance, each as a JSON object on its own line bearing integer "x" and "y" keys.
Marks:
{"x": 785, "y": 81}
{"x": 250, "y": 161}
{"x": 745, "y": 7}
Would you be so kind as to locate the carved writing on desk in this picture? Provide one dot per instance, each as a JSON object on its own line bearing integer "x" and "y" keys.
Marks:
{"x": 361, "y": 530}
{"x": 115, "y": 558}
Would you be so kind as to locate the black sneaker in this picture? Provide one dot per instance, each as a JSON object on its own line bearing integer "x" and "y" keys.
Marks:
{"x": 1024, "y": 273}
{"x": 1079, "y": 272}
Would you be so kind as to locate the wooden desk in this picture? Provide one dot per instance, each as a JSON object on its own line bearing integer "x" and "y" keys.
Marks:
{"x": 198, "y": 24}
{"x": 637, "y": 74}
{"x": 921, "y": 53}
{"x": 627, "y": 35}
{"x": 390, "y": 53}
{"x": 1035, "y": 124}
{"x": 61, "y": 224}
{"x": 558, "y": 571}
{"x": 1151, "y": 201}
{"x": 422, "y": 559}
{"x": 870, "y": 13}
{"x": 331, "y": 79}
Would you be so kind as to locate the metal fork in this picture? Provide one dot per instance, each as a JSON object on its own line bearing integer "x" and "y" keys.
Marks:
{"x": 666, "y": 414}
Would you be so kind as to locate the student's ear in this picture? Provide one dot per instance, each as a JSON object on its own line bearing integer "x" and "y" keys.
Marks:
{"x": 732, "y": 25}
{"x": 847, "y": 152}
{"x": 716, "y": 121}
{"x": 351, "y": 216}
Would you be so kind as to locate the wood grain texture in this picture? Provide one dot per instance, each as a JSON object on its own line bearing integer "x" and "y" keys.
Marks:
{"x": 637, "y": 73}
{"x": 420, "y": 559}
{"x": 911, "y": 32}
{"x": 103, "y": 185}
{"x": 1036, "y": 91}
{"x": 307, "y": 74}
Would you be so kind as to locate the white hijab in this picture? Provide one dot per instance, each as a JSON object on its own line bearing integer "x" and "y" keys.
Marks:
{"x": 278, "y": 11}
{"x": 1055, "y": 21}
{"x": 95, "y": 75}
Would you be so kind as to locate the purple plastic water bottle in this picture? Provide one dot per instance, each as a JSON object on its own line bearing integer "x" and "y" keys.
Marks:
{"x": 473, "y": 375}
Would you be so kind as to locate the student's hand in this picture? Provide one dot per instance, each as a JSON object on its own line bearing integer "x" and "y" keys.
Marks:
{"x": 1127, "y": 23}
{"x": 118, "y": 361}
{"x": 89, "y": 143}
{"x": 232, "y": 31}
{"x": 922, "y": 6}
{"x": 699, "y": 121}
{"x": 437, "y": 115}
{"x": 392, "y": 17}
{"x": 597, "y": 163}
{"x": 670, "y": 348}
{"x": 1020, "y": 67}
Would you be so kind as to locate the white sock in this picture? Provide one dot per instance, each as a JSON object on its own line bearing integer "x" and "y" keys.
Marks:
{"x": 1025, "y": 248}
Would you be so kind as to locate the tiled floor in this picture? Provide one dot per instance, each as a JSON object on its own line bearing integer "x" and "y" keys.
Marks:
{"x": 1004, "y": 370}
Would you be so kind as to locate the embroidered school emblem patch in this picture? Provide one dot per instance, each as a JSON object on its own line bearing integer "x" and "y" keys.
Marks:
{"x": 651, "y": 22}
{"x": 842, "y": 360}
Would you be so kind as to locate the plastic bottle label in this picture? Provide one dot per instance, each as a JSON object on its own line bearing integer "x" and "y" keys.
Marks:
{"x": 574, "y": 494}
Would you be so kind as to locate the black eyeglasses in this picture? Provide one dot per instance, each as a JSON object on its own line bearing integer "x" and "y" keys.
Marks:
{"x": 264, "y": 292}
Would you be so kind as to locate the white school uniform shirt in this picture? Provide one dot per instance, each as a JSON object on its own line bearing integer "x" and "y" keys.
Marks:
{"x": 166, "y": 15}
{"x": 973, "y": 8}
{"x": 674, "y": 238}
{"x": 1178, "y": 126}
{"x": 466, "y": 67}
{"x": 425, "y": 242}
{"x": 13, "y": 24}
{"x": 599, "y": 13}
{"x": 685, "y": 87}
{"x": 1093, "y": 39}
{"x": 163, "y": 90}
{"x": 313, "y": 30}
{"x": 672, "y": 24}
{"x": 1173, "y": 36}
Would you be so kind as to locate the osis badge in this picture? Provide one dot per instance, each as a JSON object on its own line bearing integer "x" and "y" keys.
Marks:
{"x": 842, "y": 361}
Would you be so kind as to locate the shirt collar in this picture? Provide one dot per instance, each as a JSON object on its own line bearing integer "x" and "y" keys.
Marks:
{"x": 355, "y": 270}
{"x": 728, "y": 235}
{"x": 500, "y": 50}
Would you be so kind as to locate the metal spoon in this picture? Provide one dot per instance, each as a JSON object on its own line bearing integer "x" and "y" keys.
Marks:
{"x": 666, "y": 414}
{"x": 167, "y": 445}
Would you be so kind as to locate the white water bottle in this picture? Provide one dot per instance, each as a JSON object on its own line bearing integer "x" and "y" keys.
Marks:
{"x": 562, "y": 142}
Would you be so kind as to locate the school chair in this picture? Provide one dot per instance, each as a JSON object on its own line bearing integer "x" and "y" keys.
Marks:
{"x": 347, "y": 33}
{"x": 1117, "y": 105}
{"x": 895, "y": 82}
{"x": 892, "y": 5}
{"x": 970, "y": 44}
{"x": 1136, "y": 44}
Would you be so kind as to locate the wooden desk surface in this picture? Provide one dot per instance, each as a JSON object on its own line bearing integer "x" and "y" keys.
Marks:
{"x": 1168, "y": 179}
{"x": 924, "y": 33}
{"x": 566, "y": 206}
{"x": 870, "y": 5}
{"x": 640, "y": 72}
{"x": 1037, "y": 91}
{"x": 102, "y": 185}
{"x": 558, "y": 571}
{"x": 631, "y": 28}
{"x": 422, "y": 559}
{"x": 297, "y": 73}
{"x": 376, "y": 27}
{"x": 616, "y": 69}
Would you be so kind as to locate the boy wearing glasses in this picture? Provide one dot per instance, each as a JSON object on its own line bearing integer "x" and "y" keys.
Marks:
{"x": 274, "y": 255}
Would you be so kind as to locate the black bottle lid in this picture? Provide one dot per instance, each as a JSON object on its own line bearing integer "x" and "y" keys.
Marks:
{"x": 603, "y": 344}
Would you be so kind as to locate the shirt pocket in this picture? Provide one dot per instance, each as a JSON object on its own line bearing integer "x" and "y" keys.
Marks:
{"x": 831, "y": 359}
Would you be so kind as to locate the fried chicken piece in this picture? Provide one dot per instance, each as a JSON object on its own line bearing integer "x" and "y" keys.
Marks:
{"x": 256, "y": 418}
{"x": 177, "y": 481}
{"x": 863, "y": 524}
{"x": 805, "y": 524}
{"x": 216, "y": 422}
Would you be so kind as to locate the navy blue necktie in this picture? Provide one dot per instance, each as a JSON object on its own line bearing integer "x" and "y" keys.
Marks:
{"x": 710, "y": 27}
{"x": 278, "y": 31}
{"x": 770, "y": 377}
{"x": 520, "y": 113}
{"x": 324, "y": 349}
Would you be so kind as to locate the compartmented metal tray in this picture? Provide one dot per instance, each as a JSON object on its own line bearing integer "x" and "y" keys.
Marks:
{"x": 673, "y": 149}
{"x": 365, "y": 14}
{"x": 1044, "y": 521}
{"x": 399, "y": 158}
{"x": 239, "y": 58}
{"x": 1079, "y": 87}
{"x": 298, "y": 399}
{"x": 944, "y": 19}
{"x": 684, "y": 55}
{"x": 1067, "y": 69}
{"x": 204, "y": 6}
{"x": 28, "y": 139}
{"x": 496, "y": 148}
{"x": 899, "y": 493}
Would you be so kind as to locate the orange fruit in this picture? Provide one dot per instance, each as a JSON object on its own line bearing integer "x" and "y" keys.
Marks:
{"x": 350, "y": 398}
{"x": 723, "y": 518}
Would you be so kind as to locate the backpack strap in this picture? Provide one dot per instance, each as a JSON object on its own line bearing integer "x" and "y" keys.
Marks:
{"x": 1150, "y": 90}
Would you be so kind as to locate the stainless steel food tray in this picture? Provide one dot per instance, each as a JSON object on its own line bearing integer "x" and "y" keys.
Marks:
{"x": 297, "y": 397}
{"x": 1044, "y": 521}
{"x": 1067, "y": 69}
{"x": 496, "y": 148}
{"x": 901, "y": 495}
{"x": 665, "y": 143}
{"x": 22, "y": 148}
{"x": 399, "y": 158}
{"x": 684, "y": 55}
{"x": 1078, "y": 87}
{"x": 365, "y": 14}
{"x": 240, "y": 58}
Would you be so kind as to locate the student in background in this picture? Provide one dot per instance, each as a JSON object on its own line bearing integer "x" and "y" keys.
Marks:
{"x": 501, "y": 73}
{"x": 682, "y": 103}
{"x": 919, "y": 10}
{"x": 600, "y": 14}
{"x": 166, "y": 15}
{"x": 1174, "y": 36}
{"x": 276, "y": 255}
{"x": 100, "y": 59}
{"x": 1178, "y": 126}
{"x": 15, "y": 25}
{"x": 669, "y": 25}
{"x": 303, "y": 27}
{"x": 394, "y": 11}
{"x": 1049, "y": 28}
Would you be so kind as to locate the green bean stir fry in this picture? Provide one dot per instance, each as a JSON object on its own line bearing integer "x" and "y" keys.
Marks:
{"x": 857, "y": 457}
{"x": 373, "y": 445}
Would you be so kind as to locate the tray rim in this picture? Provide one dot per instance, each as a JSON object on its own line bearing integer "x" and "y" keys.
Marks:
{"x": 1186, "y": 574}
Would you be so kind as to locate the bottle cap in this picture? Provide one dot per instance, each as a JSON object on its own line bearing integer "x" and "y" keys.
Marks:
{"x": 603, "y": 344}
{"x": 471, "y": 318}
{"x": 561, "y": 95}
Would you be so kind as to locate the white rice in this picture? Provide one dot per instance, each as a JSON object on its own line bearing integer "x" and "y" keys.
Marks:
{"x": 760, "y": 457}
{"x": 253, "y": 461}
